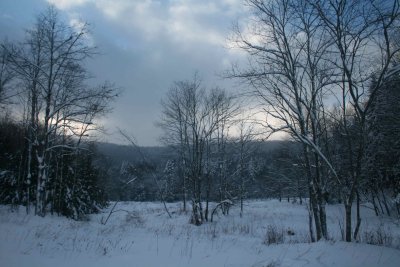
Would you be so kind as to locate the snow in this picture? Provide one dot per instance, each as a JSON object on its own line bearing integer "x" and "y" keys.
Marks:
{"x": 142, "y": 234}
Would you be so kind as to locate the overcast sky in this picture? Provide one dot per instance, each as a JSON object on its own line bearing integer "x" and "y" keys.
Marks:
{"x": 145, "y": 45}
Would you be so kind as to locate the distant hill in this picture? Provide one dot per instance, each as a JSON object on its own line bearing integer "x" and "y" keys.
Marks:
{"x": 122, "y": 163}
{"x": 120, "y": 153}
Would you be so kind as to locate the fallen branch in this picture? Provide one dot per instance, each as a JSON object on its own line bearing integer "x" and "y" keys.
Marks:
{"x": 223, "y": 204}
{"x": 109, "y": 214}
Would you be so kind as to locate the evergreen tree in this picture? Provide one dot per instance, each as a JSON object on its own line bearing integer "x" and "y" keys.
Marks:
{"x": 382, "y": 164}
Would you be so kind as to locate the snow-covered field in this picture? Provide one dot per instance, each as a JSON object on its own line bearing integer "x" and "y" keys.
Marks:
{"x": 141, "y": 234}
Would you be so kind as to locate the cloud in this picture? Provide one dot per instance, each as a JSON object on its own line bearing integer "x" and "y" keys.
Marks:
{"x": 67, "y": 4}
{"x": 179, "y": 21}
{"x": 81, "y": 26}
{"x": 145, "y": 45}
{"x": 187, "y": 23}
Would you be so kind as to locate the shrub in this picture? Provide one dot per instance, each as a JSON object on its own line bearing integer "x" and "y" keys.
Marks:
{"x": 378, "y": 237}
{"x": 274, "y": 235}
{"x": 134, "y": 218}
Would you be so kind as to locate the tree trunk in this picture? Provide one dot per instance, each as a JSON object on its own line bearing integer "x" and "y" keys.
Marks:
{"x": 379, "y": 202}
{"x": 356, "y": 231}
{"x": 184, "y": 195}
{"x": 322, "y": 217}
{"x": 208, "y": 192}
{"x": 317, "y": 220}
{"x": 347, "y": 207}
{"x": 374, "y": 204}
{"x": 310, "y": 223}
{"x": 241, "y": 199}
{"x": 385, "y": 203}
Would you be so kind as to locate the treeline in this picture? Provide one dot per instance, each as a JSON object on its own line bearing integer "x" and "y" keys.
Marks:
{"x": 271, "y": 174}
{"x": 75, "y": 186}
{"x": 50, "y": 111}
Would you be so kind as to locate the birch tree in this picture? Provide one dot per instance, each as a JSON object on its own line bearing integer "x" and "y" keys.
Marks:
{"x": 190, "y": 118}
{"x": 58, "y": 100}
{"x": 362, "y": 33}
{"x": 289, "y": 78}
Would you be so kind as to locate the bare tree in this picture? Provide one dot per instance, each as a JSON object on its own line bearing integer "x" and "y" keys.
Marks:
{"x": 302, "y": 52}
{"x": 362, "y": 33}
{"x": 288, "y": 76}
{"x": 174, "y": 123}
{"x": 245, "y": 143}
{"x": 184, "y": 123}
{"x": 59, "y": 103}
{"x": 190, "y": 118}
{"x": 6, "y": 75}
{"x": 225, "y": 108}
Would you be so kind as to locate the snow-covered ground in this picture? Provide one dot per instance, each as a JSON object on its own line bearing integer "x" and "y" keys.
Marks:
{"x": 141, "y": 234}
